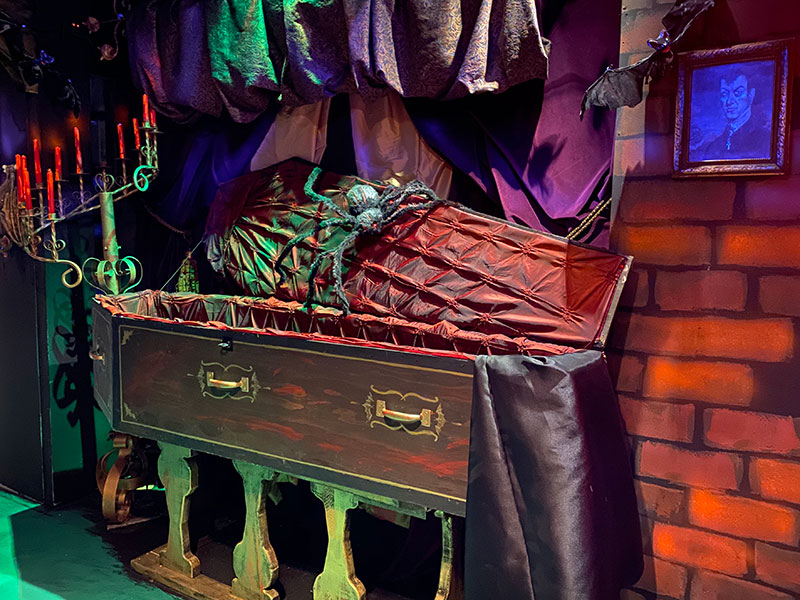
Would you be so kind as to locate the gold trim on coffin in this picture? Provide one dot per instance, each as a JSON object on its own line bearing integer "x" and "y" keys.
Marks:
{"x": 129, "y": 331}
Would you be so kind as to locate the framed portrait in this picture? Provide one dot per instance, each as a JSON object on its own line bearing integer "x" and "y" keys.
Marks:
{"x": 733, "y": 108}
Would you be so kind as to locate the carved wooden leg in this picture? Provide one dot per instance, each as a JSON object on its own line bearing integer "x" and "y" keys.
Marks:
{"x": 254, "y": 560}
{"x": 178, "y": 472}
{"x": 338, "y": 579}
{"x": 450, "y": 584}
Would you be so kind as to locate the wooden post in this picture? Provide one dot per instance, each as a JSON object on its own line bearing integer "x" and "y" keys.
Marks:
{"x": 338, "y": 579}
{"x": 254, "y": 560}
{"x": 178, "y": 472}
{"x": 450, "y": 580}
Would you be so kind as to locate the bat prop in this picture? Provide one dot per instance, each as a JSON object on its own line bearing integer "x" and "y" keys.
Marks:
{"x": 623, "y": 86}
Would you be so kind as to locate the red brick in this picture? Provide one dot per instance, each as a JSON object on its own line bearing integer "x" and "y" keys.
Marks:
{"x": 706, "y": 381}
{"x": 646, "y": 525}
{"x": 660, "y": 113}
{"x": 626, "y": 371}
{"x": 636, "y": 4}
{"x": 658, "y": 501}
{"x": 780, "y": 294}
{"x": 654, "y": 115}
{"x": 629, "y": 58}
{"x": 700, "y": 549}
{"x": 668, "y": 200}
{"x": 743, "y": 517}
{"x": 768, "y": 340}
{"x": 771, "y": 199}
{"x": 700, "y": 469}
{"x": 759, "y": 246}
{"x": 660, "y": 420}
{"x": 665, "y": 245}
{"x": 701, "y": 290}
{"x": 637, "y": 27}
{"x": 750, "y": 431}
{"x": 778, "y": 566}
{"x": 631, "y": 121}
{"x": 713, "y": 586}
{"x": 775, "y": 479}
{"x": 643, "y": 156}
{"x": 663, "y": 578}
{"x": 636, "y": 291}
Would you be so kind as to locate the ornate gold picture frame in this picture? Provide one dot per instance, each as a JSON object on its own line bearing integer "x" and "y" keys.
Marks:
{"x": 733, "y": 111}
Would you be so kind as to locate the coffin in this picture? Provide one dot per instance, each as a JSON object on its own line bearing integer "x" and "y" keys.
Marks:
{"x": 382, "y": 402}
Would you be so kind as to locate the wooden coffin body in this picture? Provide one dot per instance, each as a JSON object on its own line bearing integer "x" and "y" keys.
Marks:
{"x": 310, "y": 408}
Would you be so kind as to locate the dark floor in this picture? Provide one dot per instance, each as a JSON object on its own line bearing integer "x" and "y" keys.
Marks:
{"x": 68, "y": 553}
{"x": 61, "y": 554}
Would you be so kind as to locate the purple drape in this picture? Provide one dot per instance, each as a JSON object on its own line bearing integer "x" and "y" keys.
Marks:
{"x": 242, "y": 55}
{"x": 526, "y": 147}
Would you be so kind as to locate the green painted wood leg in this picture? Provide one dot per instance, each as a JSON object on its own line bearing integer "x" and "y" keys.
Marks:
{"x": 178, "y": 472}
{"x": 254, "y": 560}
{"x": 338, "y": 579}
{"x": 450, "y": 581}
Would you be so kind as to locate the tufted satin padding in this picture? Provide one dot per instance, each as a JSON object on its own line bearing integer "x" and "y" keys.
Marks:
{"x": 449, "y": 265}
{"x": 276, "y": 317}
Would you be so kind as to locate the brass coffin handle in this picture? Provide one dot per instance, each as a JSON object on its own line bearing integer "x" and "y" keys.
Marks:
{"x": 424, "y": 416}
{"x": 95, "y": 355}
{"x": 243, "y": 384}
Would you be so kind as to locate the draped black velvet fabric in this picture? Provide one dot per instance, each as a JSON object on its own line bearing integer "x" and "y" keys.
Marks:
{"x": 551, "y": 509}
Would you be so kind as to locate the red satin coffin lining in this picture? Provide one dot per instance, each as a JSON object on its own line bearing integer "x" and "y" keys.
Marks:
{"x": 447, "y": 265}
{"x": 273, "y": 317}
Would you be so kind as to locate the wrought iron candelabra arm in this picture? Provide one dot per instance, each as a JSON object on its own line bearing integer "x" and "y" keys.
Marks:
{"x": 17, "y": 229}
{"x": 34, "y": 230}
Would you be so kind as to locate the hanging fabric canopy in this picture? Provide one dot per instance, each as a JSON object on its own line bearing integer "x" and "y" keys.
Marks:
{"x": 454, "y": 96}
{"x": 240, "y": 55}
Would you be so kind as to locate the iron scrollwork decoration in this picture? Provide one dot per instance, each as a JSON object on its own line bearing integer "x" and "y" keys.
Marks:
{"x": 34, "y": 230}
{"x": 18, "y": 228}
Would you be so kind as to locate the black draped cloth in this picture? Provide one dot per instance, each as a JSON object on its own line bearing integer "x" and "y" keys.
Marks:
{"x": 551, "y": 509}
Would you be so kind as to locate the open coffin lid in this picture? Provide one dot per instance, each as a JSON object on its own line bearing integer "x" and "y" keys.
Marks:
{"x": 448, "y": 267}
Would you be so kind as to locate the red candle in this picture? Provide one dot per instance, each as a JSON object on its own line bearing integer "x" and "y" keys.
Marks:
{"x": 58, "y": 163}
{"x": 145, "y": 110}
{"x": 137, "y": 140}
{"x": 18, "y": 163}
{"x": 121, "y": 138}
{"x": 153, "y": 118}
{"x": 51, "y": 198}
{"x": 78, "y": 157}
{"x": 37, "y": 163}
{"x": 28, "y": 200}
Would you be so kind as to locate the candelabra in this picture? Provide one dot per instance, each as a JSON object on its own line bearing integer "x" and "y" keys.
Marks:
{"x": 33, "y": 228}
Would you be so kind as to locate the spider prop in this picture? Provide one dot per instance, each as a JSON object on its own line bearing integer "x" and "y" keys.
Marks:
{"x": 367, "y": 213}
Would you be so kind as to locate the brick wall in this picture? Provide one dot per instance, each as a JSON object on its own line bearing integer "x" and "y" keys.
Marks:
{"x": 705, "y": 350}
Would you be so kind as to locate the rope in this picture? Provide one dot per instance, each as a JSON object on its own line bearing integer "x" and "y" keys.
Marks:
{"x": 173, "y": 229}
{"x": 590, "y": 218}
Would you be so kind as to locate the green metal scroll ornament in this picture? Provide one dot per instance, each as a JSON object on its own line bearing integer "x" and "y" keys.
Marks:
{"x": 112, "y": 275}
